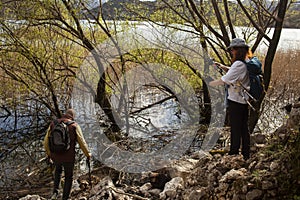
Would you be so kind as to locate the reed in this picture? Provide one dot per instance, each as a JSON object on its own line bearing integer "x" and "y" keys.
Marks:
{"x": 285, "y": 80}
{"x": 283, "y": 90}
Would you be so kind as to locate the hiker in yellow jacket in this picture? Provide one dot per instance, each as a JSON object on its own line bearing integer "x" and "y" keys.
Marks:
{"x": 66, "y": 160}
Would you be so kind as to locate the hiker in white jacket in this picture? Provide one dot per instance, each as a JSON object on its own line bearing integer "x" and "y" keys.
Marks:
{"x": 237, "y": 78}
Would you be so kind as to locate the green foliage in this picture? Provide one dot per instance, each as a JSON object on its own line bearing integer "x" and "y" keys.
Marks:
{"x": 42, "y": 52}
{"x": 168, "y": 59}
{"x": 35, "y": 56}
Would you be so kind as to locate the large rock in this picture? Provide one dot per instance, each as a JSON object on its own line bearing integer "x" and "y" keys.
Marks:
{"x": 32, "y": 197}
{"x": 254, "y": 194}
{"x": 231, "y": 162}
{"x": 144, "y": 189}
{"x": 233, "y": 175}
{"x": 258, "y": 138}
{"x": 171, "y": 188}
{"x": 198, "y": 194}
{"x": 293, "y": 121}
{"x": 182, "y": 168}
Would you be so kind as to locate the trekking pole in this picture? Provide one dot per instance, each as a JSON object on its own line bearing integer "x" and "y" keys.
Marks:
{"x": 247, "y": 92}
{"x": 251, "y": 106}
{"x": 245, "y": 99}
{"x": 89, "y": 166}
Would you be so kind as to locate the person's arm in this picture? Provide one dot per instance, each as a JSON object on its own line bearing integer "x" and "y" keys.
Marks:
{"x": 82, "y": 143}
{"x": 223, "y": 67}
{"x": 216, "y": 82}
{"x": 234, "y": 73}
{"x": 231, "y": 75}
{"x": 46, "y": 142}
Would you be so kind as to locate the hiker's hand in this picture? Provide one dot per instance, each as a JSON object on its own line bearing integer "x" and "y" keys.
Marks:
{"x": 49, "y": 161}
{"x": 89, "y": 156}
{"x": 224, "y": 67}
{"x": 216, "y": 64}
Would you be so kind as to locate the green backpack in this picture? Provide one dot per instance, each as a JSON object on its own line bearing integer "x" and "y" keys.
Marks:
{"x": 254, "y": 67}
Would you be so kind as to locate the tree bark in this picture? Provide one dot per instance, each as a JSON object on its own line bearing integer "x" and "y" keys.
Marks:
{"x": 282, "y": 8}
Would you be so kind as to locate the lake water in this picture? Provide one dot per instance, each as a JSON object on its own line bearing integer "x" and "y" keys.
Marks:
{"x": 167, "y": 114}
{"x": 164, "y": 115}
{"x": 289, "y": 40}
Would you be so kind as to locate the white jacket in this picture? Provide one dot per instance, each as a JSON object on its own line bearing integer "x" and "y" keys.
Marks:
{"x": 237, "y": 75}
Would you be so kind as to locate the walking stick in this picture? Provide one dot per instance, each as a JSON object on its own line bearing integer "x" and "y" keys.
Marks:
{"x": 89, "y": 166}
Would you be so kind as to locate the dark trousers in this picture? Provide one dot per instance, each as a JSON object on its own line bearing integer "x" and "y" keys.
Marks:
{"x": 238, "y": 117}
{"x": 68, "y": 168}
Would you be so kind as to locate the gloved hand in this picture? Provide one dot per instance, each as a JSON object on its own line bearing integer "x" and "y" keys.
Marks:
{"x": 49, "y": 161}
{"x": 89, "y": 156}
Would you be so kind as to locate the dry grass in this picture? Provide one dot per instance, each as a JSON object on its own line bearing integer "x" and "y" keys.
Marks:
{"x": 285, "y": 80}
{"x": 283, "y": 90}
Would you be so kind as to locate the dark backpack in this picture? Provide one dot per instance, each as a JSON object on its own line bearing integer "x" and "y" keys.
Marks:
{"x": 254, "y": 67}
{"x": 59, "y": 138}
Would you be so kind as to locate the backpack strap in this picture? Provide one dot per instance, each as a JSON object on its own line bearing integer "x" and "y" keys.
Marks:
{"x": 69, "y": 123}
{"x": 55, "y": 121}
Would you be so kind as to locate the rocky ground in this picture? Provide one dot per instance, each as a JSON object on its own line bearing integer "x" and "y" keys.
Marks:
{"x": 272, "y": 172}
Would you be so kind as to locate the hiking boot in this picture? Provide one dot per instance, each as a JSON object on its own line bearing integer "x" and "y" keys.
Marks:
{"x": 54, "y": 196}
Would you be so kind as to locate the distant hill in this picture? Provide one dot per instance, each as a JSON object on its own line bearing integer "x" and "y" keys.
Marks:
{"x": 118, "y": 10}
{"x": 292, "y": 19}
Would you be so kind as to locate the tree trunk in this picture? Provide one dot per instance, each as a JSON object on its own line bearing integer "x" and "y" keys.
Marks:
{"x": 102, "y": 100}
{"x": 282, "y": 7}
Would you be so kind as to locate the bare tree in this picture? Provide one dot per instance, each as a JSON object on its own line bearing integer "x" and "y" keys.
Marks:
{"x": 216, "y": 22}
{"x": 213, "y": 21}
{"x": 66, "y": 19}
{"x": 31, "y": 78}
